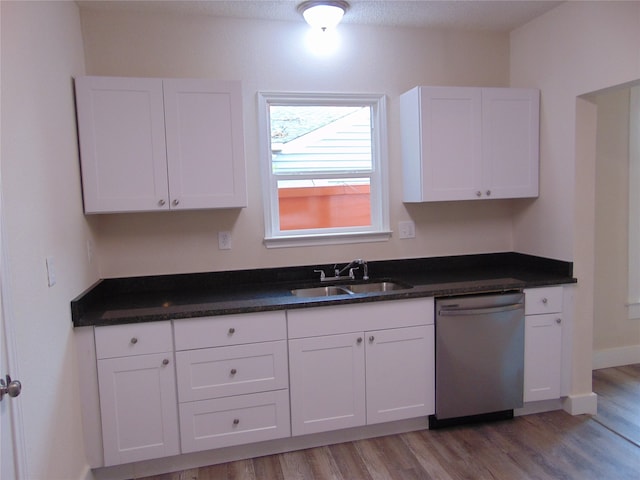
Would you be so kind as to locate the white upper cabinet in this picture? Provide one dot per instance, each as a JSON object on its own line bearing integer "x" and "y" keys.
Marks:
{"x": 149, "y": 144}
{"x": 466, "y": 143}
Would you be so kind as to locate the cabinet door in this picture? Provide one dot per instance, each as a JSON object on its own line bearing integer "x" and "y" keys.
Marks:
{"x": 139, "y": 408}
{"x": 510, "y": 145}
{"x": 122, "y": 144}
{"x": 205, "y": 146}
{"x": 542, "y": 357}
{"x": 400, "y": 373}
{"x": 443, "y": 161}
{"x": 327, "y": 383}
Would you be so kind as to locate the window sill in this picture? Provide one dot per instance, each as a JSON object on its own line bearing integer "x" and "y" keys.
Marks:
{"x": 329, "y": 239}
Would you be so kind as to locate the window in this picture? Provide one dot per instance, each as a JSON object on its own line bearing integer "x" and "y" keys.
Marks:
{"x": 324, "y": 168}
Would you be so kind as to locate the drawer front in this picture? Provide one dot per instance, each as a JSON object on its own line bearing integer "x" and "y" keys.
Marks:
{"x": 226, "y": 330}
{"x": 543, "y": 300}
{"x": 223, "y": 422}
{"x": 226, "y": 371}
{"x": 340, "y": 319}
{"x": 133, "y": 339}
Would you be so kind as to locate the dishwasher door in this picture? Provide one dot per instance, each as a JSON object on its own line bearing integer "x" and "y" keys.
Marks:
{"x": 479, "y": 354}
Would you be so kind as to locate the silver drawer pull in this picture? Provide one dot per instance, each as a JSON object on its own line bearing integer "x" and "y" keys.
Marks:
{"x": 233, "y": 371}
{"x": 558, "y": 321}
{"x": 134, "y": 340}
{"x": 236, "y": 421}
{"x": 371, "y": 339}
{"x": 359, "y": 340}
{"x": 232, "y": 331}
{"x": 544, "y": 300}
{"x": 165, "y": 361}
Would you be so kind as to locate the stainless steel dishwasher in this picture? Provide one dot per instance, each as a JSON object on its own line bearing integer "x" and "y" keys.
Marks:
{"x": 479, "y": 358}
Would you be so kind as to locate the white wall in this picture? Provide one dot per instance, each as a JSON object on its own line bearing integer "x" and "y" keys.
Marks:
{"x": 41, "y": 52}
{"x": 577, "y": 48}
{"x": 269, "y": 55}
{"x": 612, "y": 327}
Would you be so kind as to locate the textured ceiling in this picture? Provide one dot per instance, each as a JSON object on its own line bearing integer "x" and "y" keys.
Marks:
{"x": 464, "y": 14}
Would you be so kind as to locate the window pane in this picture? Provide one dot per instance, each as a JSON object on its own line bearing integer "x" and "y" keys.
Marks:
{"x": 316, "y": 204}
{"x": 320, "y": 139}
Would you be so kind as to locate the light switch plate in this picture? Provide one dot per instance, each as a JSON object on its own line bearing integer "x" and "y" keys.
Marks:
{"x": 224, "y": 240}
{"x": 407, "y": 229}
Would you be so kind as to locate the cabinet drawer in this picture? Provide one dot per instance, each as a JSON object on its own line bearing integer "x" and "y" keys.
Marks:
{"x": 235, "y": 370}
{"x": 223, "y": 422}
{"x": 543, "y": 300}
{"x": 133, "y": 339}
{"x": 340, "y": 319}
{"x": 226, "y": 330}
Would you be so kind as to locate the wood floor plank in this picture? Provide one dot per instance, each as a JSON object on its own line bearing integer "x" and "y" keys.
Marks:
{"x": 618, "y": 391}
{"x": 295, "y": 466}
{"x": 322, "y": 463}
{"x": 268, "y": 467}
{"x": 372, "y": 457}
{"x": 349, "y": 461}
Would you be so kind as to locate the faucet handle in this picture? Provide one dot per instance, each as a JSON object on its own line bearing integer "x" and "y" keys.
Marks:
{"x": 322, "y": 274}
{"x": 351, "y": 274}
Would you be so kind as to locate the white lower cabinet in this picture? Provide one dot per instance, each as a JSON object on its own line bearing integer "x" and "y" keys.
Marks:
{"x": 399, "y": 384}
{"x": 232, "y": 380}
{"x": 348, "y": 368}
{"x": 327, "y": 383}
{"x": 137, "y": 384}
{"x": 543, "y": 343}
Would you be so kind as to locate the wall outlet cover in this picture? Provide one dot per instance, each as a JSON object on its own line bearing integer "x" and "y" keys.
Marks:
{"x": 407, "y": 229}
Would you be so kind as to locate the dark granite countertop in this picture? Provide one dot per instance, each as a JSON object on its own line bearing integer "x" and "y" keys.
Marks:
{"x": 166, "y": 297}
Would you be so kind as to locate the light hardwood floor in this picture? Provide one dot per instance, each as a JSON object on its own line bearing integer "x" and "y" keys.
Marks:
{"x": 553, "y": 445}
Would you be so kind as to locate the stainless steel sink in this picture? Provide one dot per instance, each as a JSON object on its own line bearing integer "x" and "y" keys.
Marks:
{"x": 331, "y": 290}
{"x": 377, "y": 287}
{"x": 327, "y": 291}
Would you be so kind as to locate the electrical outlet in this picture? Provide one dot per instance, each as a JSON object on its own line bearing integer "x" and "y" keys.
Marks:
{"x": 407, "y": 229}
{"x": 224, "y": 240}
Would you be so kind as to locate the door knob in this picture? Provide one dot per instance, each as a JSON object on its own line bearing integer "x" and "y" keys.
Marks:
{"x": 10, "y": 387}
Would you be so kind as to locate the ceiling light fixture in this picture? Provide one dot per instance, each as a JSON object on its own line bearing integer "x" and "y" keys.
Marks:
{"x": 323, "y": 14}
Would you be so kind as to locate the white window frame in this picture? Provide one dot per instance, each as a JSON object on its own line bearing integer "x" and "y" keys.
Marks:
{"x": 379, "y": 229}
{"x": 634, "y": 204}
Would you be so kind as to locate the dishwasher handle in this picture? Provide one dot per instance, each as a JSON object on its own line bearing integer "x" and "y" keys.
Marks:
{"x": 480, "y": 311}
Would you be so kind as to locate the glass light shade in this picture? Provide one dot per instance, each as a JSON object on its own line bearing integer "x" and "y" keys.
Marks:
{"x": 323, "y": 17}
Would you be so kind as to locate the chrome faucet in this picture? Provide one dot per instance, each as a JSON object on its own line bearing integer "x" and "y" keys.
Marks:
{"x": 351, "y": 267}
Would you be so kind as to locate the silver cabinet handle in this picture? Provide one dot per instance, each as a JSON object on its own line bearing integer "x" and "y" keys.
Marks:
{"x": 359, "y": 340}
{"x": 232, "y": 331}
{"x": 371, "y": 339}
{"x": 10, "y": 387}
{"x": 134, "y": 340}
{"x": 544, "y": 300}
{"x": 558, "y": 321}
{"x": 236, "y": 421}
{"x": 175, "y": 202}
{"x": 161, "y": 202}
{"x": 478, "y": 193}
{"x": 488, "y": 193}
{"x": 233, "y": 371}
{"x": 165, "y": 361}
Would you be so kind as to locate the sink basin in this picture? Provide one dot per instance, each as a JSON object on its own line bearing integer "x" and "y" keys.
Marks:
{"x": 327, "y": 291}
{"x": 331, "y": 290}
{"x": 376, "y": 287}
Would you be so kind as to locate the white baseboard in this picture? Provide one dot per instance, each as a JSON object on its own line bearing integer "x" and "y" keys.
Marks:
{"x": 581, "y": 404}
{"x": 616, "y": 357}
